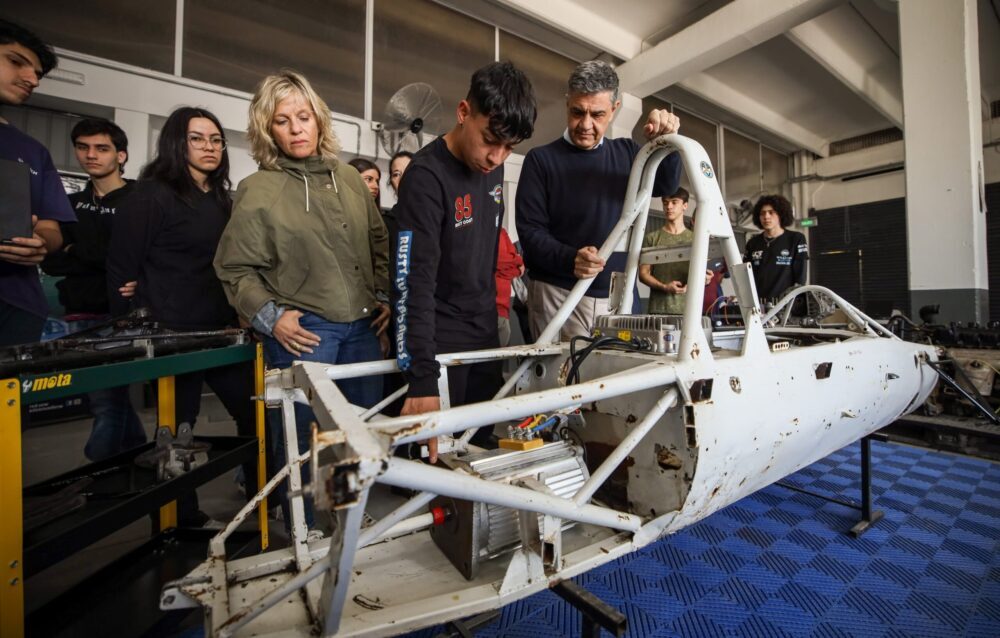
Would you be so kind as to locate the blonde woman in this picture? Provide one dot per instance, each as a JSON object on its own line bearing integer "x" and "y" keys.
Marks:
{"x": 304, "y": 258}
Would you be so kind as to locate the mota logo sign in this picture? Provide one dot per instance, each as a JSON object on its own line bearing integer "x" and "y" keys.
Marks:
{"x": 46, "y": 383}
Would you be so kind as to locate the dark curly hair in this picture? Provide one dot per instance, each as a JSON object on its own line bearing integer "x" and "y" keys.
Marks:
{"x": 780, "y": 205}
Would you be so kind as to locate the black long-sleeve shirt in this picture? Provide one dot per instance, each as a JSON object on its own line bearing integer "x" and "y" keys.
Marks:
{"x": 568, "y": 198}
{"x": 445, "y": 253}
{"x": 777, "y": 264}
{"x": 81, "y": 260}
{"x": 167, "y": 245}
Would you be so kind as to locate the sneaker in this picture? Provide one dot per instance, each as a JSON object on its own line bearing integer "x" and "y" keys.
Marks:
{"x": 314, "y": 535}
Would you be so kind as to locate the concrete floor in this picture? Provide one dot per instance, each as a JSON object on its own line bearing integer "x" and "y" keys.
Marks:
{"x": 50, "y": 450}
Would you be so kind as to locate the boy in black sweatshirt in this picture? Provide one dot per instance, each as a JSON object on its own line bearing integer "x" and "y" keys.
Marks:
{"x": 449, "y": 214}
{"x": 101, "y": 149}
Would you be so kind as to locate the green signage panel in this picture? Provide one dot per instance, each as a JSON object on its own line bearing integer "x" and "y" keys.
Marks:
{"x": 55, "y": 385}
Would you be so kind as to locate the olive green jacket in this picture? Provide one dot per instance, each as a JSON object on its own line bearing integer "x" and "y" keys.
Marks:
{"x": 307, "y": 236}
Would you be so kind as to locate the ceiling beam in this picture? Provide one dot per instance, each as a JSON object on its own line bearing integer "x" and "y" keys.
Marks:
{"x": 733, "y": 29}
{"x": 721, "y": 94}
{"x": 842, "y": 43}
{"x": 569, "y": 17}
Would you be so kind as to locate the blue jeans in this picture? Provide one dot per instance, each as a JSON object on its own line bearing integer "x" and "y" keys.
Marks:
{"x": 116, "y": 426}
{"x": 352, "y": 342}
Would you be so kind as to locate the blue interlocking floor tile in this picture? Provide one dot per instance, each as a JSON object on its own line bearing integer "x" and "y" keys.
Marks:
{"x": 757, "y": 626}
{"x": 988, "y": 608}
{"x": 870, "y": 580}
{"x": 738, "y": 514}
{"x": 690, "y": 543}
{"x": 709, "y": 533}
{"x": 780, "y": 563}
{"x": 784, "y": 517}
{"x": 743, "y": 591}
{"x": 805, "y": 598}
{"x": 727, "y": 613}
{"x": 762, "y": 577}
{"x": 694, "y": 623}
{"x": 980, "y": 627}
{"x": 984, "y": 531}
{"x": 970, "y": 560}
{"x": 929, "y": 603}
{"x": 790, "y": 617}
{"x": 828, "y": 630}
{"x": 895, "y": 572}
{"x": 722, "y": 559}
{"x": 945, "y": 592}
{"x": 673, "y": 557}
{"x": 841, "y": 570}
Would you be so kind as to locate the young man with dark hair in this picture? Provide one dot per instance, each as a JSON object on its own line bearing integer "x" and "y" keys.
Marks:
{"x": 101, "y": 148}
{"x": 24, "y": 60}
{"x": 779, "y": 257}
{"x": 668, "y": 282}
{"x": 449, "y": 218}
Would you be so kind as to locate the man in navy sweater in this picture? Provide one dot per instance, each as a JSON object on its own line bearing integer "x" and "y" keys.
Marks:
{"x": 570, "y": 196}
{"x": 449, "y": 217}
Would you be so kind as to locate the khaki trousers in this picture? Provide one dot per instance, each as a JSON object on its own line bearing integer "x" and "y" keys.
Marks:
{"x": 543, "y": 304}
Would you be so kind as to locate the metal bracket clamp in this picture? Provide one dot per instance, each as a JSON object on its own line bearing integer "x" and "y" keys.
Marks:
{"x": 344, "y": 471}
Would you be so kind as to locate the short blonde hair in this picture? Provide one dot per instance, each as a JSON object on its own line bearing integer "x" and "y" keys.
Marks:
{"x": 272, "y": 90}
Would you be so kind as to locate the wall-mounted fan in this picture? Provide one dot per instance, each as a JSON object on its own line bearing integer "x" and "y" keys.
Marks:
{"x": 412, "y": 112}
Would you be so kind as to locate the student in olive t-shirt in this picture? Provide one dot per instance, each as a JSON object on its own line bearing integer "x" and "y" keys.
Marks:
{"x": 668, "y": 282}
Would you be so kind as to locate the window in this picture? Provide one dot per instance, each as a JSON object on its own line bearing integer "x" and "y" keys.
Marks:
{"x": 742, "y": 166}
{"x": 420, "y": 41}
{"x": 702, "y": 131}
{"x": 235, "y": 43}
{"x": 648, "y": 104}
{"x": 774, "y": 170}
{"x": 548, "y": 72}
{"x": 137, "y": 33}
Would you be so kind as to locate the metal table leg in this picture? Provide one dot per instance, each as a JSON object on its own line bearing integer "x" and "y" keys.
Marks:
{"x": 594, "y": 612}
{"x": 868, "y": 516}
{"x": 11, "y": 530}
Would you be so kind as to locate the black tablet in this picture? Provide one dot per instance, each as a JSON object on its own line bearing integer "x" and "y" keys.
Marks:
{"x": 15, "y": 200}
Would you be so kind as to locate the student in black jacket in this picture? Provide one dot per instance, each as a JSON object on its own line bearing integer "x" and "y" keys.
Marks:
{"x": 779, "y": 257}
{"x": 162, "y": 247}
{"x": 101, "y": 148}
{"x": 449, "y": 216}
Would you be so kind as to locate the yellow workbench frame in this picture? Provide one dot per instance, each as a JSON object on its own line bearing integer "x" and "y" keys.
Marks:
{"x": 11, "y": 489}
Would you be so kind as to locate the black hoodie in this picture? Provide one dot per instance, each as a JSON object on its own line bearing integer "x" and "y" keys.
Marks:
{"x": 444, "y": 289}
{"x": 83, "y": 289}
{"x": 167, "y": 244}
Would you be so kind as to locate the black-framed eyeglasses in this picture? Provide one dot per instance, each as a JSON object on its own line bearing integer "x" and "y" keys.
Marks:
{"x": 200, "y": 143}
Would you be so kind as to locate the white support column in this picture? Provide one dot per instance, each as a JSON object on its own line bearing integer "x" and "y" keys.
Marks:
{"x": 628, "y": 114}
{"x": 945, "y": 216}
{"x": 136, "y": 127}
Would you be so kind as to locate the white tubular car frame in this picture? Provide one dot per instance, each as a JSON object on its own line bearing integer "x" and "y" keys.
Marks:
{"x": 667, "y": 439}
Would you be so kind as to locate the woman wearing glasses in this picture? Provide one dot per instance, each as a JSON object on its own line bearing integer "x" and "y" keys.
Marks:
{"x": 163, "y": 242}
{"x": 305, "y": 258}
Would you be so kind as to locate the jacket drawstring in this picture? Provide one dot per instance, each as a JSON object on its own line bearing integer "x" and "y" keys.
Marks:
{"x": 305, "y": 181}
